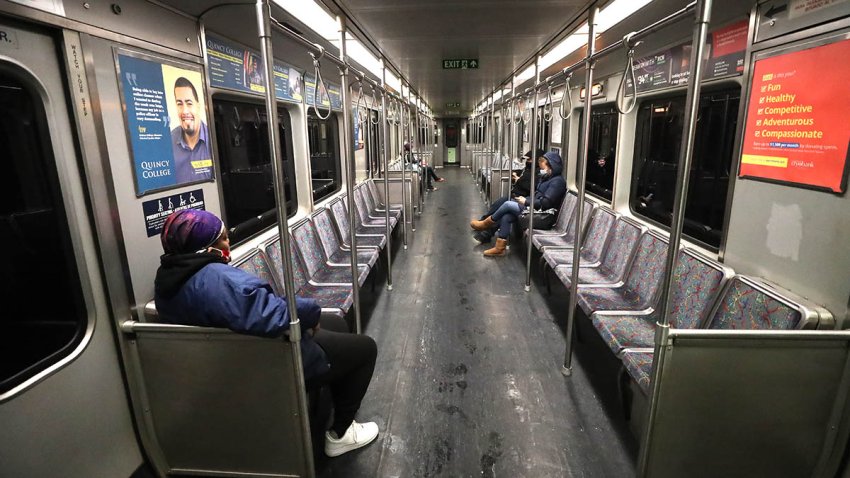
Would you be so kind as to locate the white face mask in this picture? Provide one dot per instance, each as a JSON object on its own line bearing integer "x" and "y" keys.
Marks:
{"x": 544, "y": 172}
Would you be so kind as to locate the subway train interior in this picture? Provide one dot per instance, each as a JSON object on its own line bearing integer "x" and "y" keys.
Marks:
{"x": 682, "y": 310}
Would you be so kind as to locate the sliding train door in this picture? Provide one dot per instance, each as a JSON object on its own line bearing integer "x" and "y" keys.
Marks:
{"x": 63, "y": 404}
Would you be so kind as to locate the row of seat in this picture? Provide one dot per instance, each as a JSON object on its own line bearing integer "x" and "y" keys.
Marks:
{"x": 620, "y": 274}
{"x": 321, "y": 250}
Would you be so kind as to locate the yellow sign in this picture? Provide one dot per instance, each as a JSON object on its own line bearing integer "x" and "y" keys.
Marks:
{"x": 765, "y": 160}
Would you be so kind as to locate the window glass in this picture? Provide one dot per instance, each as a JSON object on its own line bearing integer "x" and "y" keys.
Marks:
{"x": 247, "y": 181}
{"x": 33, "y": 335}
{"x": 542, "y": 133}
{"x": 602, "y": 153}
{"x": 324, "y": 155}
{"x": 657, "y": 145}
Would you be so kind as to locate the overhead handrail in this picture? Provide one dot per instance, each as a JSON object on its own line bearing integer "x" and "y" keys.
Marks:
{"x": 628, "y": 71}
{"x": 566, "y": 97}
{"x": 320, "y": 82}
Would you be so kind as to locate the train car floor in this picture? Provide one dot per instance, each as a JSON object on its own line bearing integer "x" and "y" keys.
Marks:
{"x": 468, "y": 381}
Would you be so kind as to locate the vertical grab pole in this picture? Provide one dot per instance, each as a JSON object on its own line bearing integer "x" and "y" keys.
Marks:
{"x": 491, "y": 139}
{"x": 385, "y": 152}
{"x": 532, "y": 186}
{"x": 264, "y": 32}
{"x": 703, "y": 16}
{"x": 581, "y": 169}
{"x": 408, "y": 206}
{"x": 349, "y": 167}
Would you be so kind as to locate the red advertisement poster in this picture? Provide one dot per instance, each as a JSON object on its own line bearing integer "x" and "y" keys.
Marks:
{"x": 797, "y": 128}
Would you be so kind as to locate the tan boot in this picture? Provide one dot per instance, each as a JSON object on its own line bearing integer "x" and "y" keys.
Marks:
{"x": 487, "y": 223}
{"x": 498, "y": 250}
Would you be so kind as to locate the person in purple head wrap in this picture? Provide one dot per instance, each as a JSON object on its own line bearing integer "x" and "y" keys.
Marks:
{"x": 194, "y": 285}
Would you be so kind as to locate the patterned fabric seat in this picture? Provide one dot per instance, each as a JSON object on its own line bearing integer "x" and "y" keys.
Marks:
{"x": 566, "y": 238}
{"x": 318, "y": 270}
{"x": 594, "y": 242}
{"x": 372, "y": 187}
{"x": 641, "y": 283}
{"x": 565, "y": 215}
{"x": 638, "y": 364}
{"x": 365, "y": 215}
{"x": 333, "y": 251}
{"x": 696, "y": 285}
{"x": 328, "y": 297}
{"x": 256, "y": 263}
{"x": 744, "y": 305}
{"x": 614, "y": 262}
{"x": 373, "y": 207}
{"x": 372, "y": 239}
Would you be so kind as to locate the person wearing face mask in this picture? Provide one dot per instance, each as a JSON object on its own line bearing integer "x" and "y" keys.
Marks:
{"x": 549, "y": 193}
{"x": 195, "y": 286}
{"x": 521, "y": 187}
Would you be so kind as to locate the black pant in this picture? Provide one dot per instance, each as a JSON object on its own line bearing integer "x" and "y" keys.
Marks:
{"x": 352, "y": 360}
{"x": 429, "y": 175}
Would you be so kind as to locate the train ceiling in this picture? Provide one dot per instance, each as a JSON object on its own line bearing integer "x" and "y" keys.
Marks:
{"x": 417, "y": 35}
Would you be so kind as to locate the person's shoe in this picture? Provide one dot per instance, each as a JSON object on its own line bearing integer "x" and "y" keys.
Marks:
{"x": 484, "y": 237}
{"x": 487, "y": 223}
{"x": 498, "y": 250}
{"x": 441, "y": 180}
{"x": 358, "y": 435}
{"x": 432, "y": 188}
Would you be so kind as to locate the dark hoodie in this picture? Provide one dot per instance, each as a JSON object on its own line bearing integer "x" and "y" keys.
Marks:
{"x": 551, "y": 189}
{"x": 522, "y": 187}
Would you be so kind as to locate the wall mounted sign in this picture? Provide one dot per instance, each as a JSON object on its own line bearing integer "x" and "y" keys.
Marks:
{"x": 460, "y": 64}
{"x": 725, "y": 48}
{"x": 156, "y": 211}
{"x": 797, "y": 126}
{"x": 234, "y": 67}
{"x": 166, "y": 121}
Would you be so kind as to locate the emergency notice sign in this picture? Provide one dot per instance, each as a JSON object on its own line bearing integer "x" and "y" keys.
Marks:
{"x": 798, "y": 125}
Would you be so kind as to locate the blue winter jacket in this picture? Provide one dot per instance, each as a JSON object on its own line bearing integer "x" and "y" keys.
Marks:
{"x": 219, "y": 295}
{"x": 550, "y": 192}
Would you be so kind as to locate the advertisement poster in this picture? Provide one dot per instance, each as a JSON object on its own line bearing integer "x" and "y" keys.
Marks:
{"x": 232, "y": 66}
{"x": 797, "y": 123}
{"x": 324, "y": 99}
{"x": 166, "y": 121}
{"x": 156, "y": 211}
{"x": 359, "y": 141}
{"x": 671, "y": 67}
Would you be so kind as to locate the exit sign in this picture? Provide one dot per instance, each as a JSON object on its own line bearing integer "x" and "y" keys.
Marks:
{"x": 461, "y": 64}
{"x": 452, "y": 105}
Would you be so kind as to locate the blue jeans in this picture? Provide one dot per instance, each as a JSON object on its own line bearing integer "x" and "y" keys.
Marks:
{"x": 506, "y": 216}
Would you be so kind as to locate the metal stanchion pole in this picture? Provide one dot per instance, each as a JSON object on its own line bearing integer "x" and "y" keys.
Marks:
{"x": 534, "y": 140}
{"x": 385, "y": 152}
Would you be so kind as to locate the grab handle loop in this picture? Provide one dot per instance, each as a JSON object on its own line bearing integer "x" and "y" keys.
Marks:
{"x": 628, "y": 71}
{"x": 529, "y": 110}
{"x": 567, "y": 97}
{"x": 361, "y": 103}
{"x": 373, "y": 119}
{"x": 509, "y": 114}
{"x": 320, "y": 84}
{"x": 547, "y": 108}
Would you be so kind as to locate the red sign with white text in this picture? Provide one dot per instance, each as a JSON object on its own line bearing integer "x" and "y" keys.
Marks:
{"x": 798, "y": 125}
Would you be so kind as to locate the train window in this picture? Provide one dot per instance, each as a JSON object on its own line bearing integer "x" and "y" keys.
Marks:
{"x": 324, "y": 155}
{"x": 247, "y": 181}
{"x": 542, "y": 133}
{"x": 657, "y": 145}
{"x": 602, "y": 153}
{"x": 33, "y": 335}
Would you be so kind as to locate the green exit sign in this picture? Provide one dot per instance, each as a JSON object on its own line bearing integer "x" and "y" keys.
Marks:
{"x": 452, "y": 105}
{"x": 461, "y": 64}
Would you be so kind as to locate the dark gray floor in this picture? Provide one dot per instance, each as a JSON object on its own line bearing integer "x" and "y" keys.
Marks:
{"x": 468, "y": 381}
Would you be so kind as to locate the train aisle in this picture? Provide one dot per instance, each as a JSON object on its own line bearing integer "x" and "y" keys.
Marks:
{"x": 468, "y": 380}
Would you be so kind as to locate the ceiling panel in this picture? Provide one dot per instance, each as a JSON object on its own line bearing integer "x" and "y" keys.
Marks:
{"x": 417, "y": 35}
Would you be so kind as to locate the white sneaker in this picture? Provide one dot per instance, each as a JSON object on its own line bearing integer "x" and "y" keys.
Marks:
{"x": 357, "y": 435}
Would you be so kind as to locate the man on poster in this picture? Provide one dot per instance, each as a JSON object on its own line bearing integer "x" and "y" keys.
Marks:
{"x": 190, "y": 140}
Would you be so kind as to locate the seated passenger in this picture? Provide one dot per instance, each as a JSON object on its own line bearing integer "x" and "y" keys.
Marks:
{"x": 195, "y": 286}
{"x": 521, "y": 187}
{"x": 549, "y": 194}
{"x": 429, "y": 171}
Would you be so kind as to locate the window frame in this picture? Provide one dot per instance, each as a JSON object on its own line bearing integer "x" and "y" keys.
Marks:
{"x": 78, "y": 286}
{"x": 611, "y": 110}
{"x": 268, "y": 218}
{"x": 732, "y": 91}
{"x": 334, "y": 141}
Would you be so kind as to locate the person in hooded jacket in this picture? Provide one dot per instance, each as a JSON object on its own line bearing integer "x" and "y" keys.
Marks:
{"x": 195, "y": 286}
{"x": 549, "y": 194}
{"x": 521, "y": 187}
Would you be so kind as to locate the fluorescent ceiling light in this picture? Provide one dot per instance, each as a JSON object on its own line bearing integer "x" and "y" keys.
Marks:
{"x": 313, "y": 15}
{"x": 617, "y": 11}
{"x": 524, "y": 75}
{"x": 393, "y": 81}
{"x": 357, "y": 52}
{"x": 576, "y": 40}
